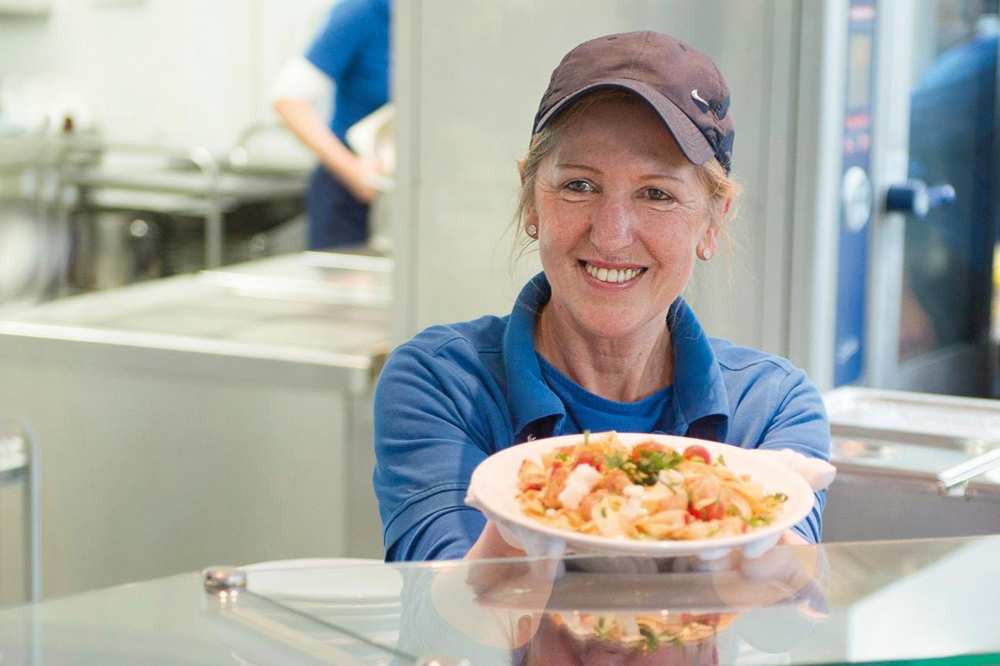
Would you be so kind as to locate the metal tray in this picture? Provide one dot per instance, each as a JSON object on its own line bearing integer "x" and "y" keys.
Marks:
{"x": 933, "y": 420}
{"x": 947, "y": 443}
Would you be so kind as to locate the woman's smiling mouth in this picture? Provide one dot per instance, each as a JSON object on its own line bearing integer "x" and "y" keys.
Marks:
{"x": 615, "y": 276}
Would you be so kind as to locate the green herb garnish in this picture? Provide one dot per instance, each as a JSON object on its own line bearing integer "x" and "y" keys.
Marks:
{"x": 601, "y": 630}
{"x": 646, "y": 470}
{"x": 652, "y": 642}
{"x": 614, "y": 460}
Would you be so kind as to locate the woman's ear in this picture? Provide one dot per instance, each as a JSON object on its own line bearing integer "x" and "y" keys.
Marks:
{"x": 707, "y": 246}
{"x": 531, "y": 221}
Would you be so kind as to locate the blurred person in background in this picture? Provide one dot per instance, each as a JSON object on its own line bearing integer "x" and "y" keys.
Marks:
{"x": 352, "y": 52}
{"x": 949, "y": 254}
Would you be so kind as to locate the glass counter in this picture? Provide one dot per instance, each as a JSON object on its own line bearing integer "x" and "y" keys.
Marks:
{"x": 921, "y": 601}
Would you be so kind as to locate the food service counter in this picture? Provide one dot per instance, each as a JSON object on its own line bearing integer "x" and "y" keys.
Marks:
{"x": 912, "y": 465}
{"x": 845, "y": 603}
{"x": 220, "y": 416}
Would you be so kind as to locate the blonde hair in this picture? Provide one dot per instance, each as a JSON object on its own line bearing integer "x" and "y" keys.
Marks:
{"x": 718, "y": 184}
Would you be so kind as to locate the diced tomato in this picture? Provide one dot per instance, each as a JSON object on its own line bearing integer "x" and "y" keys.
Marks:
{"x": 713, "y": 511}
{"x": 711, "y": 619}
{"x": 696, "y": 452}
{"x": 589, "y": 458}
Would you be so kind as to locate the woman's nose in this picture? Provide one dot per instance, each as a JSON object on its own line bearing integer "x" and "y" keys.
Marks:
{"x": 611, "y": 227}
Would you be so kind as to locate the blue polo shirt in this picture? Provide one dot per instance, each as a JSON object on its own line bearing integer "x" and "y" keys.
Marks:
{"x": 455, "y": 394}
{"x": 353, "y": 50}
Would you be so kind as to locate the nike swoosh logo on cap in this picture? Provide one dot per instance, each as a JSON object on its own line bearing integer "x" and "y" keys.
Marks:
{"x": 697, "y": 98}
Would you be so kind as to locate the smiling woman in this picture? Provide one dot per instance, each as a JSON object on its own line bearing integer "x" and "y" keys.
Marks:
{"x": 616, "y": 200}
{"x": 625, "y": 185}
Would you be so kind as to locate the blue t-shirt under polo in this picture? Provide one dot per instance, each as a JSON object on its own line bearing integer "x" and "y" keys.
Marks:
{"x": 455, "y": 394}
{"x": 586, "y": 411}
{"x": 353, "y": 50}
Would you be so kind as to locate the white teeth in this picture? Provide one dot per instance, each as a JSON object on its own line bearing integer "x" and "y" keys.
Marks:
{"x": 613, "y": 275}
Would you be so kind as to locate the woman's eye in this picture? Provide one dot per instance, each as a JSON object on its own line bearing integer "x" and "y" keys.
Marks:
{"x": 579, "y": 186}
{"x": 658, "y": 195}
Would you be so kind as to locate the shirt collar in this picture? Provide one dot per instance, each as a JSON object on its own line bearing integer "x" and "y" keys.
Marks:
{"x": 700, "y": 404}
{"x": 529, "y": 396}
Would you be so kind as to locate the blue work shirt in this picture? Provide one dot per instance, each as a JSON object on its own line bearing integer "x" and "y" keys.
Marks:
{"x": 455, "y": 394}
{"x": 353, "y": 50}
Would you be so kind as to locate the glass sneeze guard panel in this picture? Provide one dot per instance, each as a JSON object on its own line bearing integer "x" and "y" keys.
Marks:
{"x": 842, "y": 603}
{"x": 924, "y": 601}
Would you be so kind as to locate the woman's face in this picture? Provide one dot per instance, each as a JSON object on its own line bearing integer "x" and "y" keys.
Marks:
{"x": 620, "y": 214}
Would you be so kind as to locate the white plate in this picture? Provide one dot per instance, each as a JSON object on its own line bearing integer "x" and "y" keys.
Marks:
{"x": 337, "y": 580}
{"x": 493, "y": 490}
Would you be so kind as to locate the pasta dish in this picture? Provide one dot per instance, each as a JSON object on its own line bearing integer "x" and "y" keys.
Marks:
{"x": 646, "y": 632}
{"x": 648, "y": 491}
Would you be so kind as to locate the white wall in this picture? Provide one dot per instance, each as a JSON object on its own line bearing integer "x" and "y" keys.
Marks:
{"x": 179, "y": 72}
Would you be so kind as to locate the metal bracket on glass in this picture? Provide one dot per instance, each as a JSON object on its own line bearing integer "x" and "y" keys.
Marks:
{"x": 955, "y": 480}
{"x": 224, "y": 579}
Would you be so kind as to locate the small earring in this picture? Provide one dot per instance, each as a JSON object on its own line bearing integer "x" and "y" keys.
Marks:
{"x": 532, "y": 230}
{"x": 706, "y": 254}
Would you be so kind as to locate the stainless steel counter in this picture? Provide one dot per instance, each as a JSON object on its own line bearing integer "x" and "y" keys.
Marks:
{"x": 220, "y": 416}
{"x": 912, "y": 465}
{"x": 315, "y": 319}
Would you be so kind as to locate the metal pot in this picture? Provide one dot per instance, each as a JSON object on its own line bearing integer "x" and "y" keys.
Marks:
{"x": 114, "y": 248}
{"x": 32, "y": 252}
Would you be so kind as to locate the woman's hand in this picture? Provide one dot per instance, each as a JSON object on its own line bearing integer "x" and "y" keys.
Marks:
{"x": 358, "y": 175}
{"x": 360, "y": 179}
{"x": 793, "y": 538}
{"x": 533, "y": 579}
{"x": 491, "y": 544}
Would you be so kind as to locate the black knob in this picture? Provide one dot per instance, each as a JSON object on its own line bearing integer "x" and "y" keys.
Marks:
{"x": 914, "y": 197}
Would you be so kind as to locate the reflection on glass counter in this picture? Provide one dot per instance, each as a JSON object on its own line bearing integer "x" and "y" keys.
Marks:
{"x": 846, "y": 603}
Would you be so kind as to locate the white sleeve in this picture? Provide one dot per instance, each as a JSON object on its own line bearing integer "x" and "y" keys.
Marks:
{"x": 300, "y": 79}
